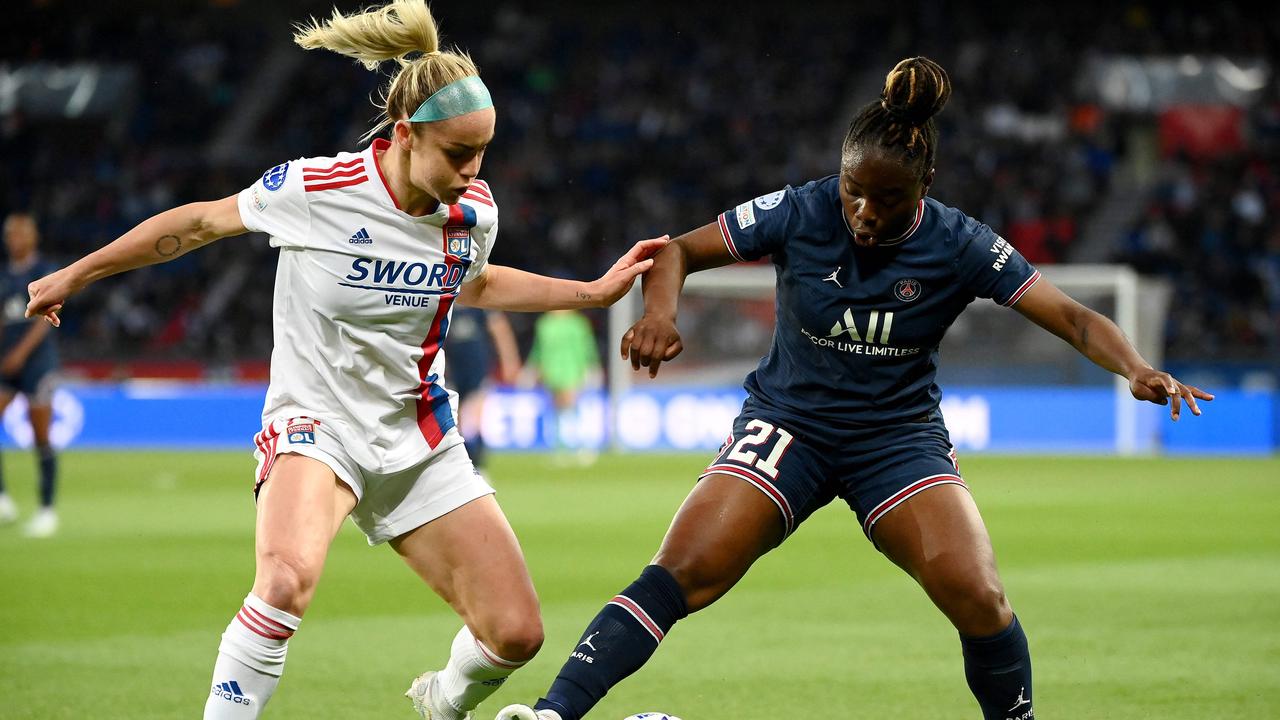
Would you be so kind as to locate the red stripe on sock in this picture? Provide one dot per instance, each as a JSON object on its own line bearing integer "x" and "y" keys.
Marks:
{"x": 267, "y": 622}
{"x": 249, "y": 623}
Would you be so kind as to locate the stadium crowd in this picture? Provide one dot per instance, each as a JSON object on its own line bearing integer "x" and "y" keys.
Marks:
{"x": 616, "y": 125}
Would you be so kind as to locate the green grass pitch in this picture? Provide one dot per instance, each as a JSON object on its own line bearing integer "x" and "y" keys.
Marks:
{"x": 1149, "y": 588}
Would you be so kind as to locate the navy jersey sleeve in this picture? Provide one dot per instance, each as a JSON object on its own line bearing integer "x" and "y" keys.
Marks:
{"x": 992, "y": 268}
{"x": 759, "y": 227}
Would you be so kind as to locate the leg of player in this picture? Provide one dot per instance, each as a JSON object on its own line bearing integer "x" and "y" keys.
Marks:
{"x": 8, "y": 509}
{"x": 301, "y": 506}
{"x": 45, "y": 523}
{"x": 723, "y": 526}
{"x": 939, "y": 538}
{"x": 471, "y": 558}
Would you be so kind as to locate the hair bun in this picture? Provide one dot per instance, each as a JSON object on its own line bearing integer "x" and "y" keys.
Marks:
{"x": 915, "y": 90}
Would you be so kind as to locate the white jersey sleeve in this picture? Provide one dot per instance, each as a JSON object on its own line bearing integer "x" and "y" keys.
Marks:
{"x": 481, "y": 199}
{"x": 276, "y": 205}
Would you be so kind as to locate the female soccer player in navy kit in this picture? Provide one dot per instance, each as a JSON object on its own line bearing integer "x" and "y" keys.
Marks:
{"x": 871, "y": 273}
{"x": 375, "y": 247}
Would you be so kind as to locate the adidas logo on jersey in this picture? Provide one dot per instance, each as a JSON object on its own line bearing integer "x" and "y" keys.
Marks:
{"x": 230, "y": 691}
{"x": 361, "y": 238}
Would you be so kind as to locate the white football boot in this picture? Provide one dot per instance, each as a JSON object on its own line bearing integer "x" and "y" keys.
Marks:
{"x": 424, "y": 700}
{"x": 43, "y": 525}
{"x": 524, "y": 712}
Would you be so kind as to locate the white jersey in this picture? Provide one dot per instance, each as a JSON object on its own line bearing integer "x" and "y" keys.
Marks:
{"x": 362, "y": 302}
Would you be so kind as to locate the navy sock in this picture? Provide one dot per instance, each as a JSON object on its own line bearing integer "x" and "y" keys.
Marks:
{"x": 48, "y": 474}
{"x": 998, "y": 669}
{"x": 617, "y": 642}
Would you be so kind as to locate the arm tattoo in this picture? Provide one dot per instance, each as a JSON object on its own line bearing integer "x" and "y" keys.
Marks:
{"x": 1084, "y": 337}
{"x": 168, "y": 246}
{"x": 584, "y": 296}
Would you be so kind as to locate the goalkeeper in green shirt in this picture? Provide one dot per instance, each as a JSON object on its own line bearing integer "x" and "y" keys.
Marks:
{"x": 566, "y": 359}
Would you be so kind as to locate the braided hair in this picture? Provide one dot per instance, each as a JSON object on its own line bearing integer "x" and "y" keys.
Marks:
{"x": 902, "y": 119}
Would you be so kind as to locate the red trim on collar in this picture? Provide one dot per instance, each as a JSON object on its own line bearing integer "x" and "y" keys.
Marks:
{"x": 382, "y": 145}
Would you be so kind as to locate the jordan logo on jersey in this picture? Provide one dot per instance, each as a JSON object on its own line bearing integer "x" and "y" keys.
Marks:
{"x": 457, "y": 241}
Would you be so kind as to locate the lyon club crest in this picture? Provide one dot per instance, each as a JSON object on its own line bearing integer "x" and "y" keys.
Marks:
{"x": 457, "y": 241}
{"x": 907, "y": 290}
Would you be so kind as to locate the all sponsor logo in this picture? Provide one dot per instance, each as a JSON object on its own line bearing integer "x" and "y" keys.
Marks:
{"x": 360, "y": 237}
{"x": 907, "y": 289}
{"x": 258, "y": 202}
{"x": 273, "y": 179}
{"x": 861, "y": 338}
{"x": 746, "y": 216}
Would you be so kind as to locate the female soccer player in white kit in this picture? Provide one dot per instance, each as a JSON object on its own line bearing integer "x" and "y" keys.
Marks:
{"x": 375, "y": 247}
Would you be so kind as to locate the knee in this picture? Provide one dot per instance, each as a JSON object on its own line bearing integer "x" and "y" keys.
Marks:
{"x": 975, "y": 604}
{"x": 286, "y": 581}
{"x": 516, "y": 638}
{"x": 699, "y": 578}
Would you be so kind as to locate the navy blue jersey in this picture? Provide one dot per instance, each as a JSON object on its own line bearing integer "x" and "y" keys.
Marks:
{"x": 857, "y": 332}
{"x": 469, "y": 353}
{"x": 13, "y": 293}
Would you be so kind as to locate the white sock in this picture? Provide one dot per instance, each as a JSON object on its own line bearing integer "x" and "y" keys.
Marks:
{"x": 474, "y": 673}
{"x": 250, "y": 661}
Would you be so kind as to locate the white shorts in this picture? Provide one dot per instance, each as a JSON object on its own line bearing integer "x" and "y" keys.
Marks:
{"x": 388, "y": 505}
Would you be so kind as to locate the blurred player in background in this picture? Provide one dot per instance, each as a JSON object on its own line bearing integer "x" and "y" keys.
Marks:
{"x": 871, "y": 273}
{"x": 28, "y": 365}
{"x": 565, "y": 358}
{"x": 375, "y": 248}
{"x": 481, "y": 344}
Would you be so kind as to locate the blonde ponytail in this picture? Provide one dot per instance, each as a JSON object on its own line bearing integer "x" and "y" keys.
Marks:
{"x": 389, "y": 32}
{"x": 392, "y": 32}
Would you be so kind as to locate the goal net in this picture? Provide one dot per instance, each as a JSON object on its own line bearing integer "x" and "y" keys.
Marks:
{"x": 1008, "y": 386}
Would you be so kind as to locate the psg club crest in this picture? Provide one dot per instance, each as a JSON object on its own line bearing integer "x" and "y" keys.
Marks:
{"x": 273, "y": 179}
{"x": 301, "y": 431}
{"x": 457, "y": 241}
{"x": 907, "y": 290}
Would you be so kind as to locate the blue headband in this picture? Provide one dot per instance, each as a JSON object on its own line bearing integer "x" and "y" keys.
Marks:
{"x": 457, "y": 98}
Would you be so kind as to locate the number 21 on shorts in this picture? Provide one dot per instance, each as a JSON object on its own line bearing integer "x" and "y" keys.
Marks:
{"x": 759, "y": 433}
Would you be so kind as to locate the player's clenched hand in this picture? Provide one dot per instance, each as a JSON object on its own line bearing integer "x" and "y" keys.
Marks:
{"x": 618, "y": 280}
{"x": 650, "y": 342}
{"x": 48, "y": 294}
{"x": 1161, "y": 388}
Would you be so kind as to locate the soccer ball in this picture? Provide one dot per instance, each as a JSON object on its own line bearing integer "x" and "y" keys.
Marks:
{"x": 651, "y": 716}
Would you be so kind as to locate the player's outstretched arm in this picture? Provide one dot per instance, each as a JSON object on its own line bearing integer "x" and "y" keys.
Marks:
{"x": 160, "y": 238}
{"x": 654, "y": 339}
{"x": 506, "y": 288}
{"x": 1100, "y": 340}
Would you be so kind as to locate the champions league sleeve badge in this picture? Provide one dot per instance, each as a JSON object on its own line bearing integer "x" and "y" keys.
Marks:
{"x": 457, "y": 241}
{"x": 273, "y": 179}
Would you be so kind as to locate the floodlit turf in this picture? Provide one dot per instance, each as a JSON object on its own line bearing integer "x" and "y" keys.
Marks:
{"x": 1149, "y": 589}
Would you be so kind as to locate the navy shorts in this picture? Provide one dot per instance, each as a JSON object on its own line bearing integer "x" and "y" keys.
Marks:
{"x": 35, "y": 380}
{"x": 873, "y": 469}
